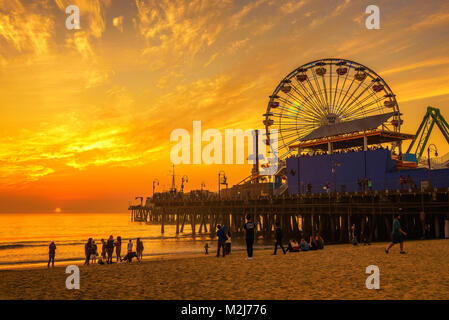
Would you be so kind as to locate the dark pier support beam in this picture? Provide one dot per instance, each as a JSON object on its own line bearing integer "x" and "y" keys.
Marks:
{"x": 177, "y": 222}
{"x": 162, "y": 221}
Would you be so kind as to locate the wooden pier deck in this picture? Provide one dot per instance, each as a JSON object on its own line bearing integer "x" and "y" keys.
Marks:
{"x": 423, "y": 214}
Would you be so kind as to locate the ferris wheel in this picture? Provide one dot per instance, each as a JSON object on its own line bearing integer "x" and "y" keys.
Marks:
{"x": 326, "y": 92}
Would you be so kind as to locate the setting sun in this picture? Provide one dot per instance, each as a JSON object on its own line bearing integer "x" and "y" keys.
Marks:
{"x": 57, "y": 210}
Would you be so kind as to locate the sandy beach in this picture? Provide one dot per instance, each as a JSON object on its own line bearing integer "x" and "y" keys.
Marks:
{"x": 337, "y": 272}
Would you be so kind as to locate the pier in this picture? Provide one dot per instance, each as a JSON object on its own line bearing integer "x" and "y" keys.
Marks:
{"x": 424, "y": 214}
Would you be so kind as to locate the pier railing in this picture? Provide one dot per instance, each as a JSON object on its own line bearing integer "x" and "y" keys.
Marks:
{"x": 423, "y": 214}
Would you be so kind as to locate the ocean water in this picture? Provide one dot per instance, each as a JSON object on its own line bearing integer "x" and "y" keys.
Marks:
{"x": 24, "y": 238}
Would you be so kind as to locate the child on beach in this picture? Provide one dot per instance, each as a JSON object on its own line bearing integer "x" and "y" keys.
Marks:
{"x": 397, "y": 234}
{"x": 206, "y": 248}
{"x": 51, "y": 254}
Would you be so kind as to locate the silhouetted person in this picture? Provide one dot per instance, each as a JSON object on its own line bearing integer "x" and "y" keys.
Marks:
{"x": 87, "y": 251}
{"x": 118, "y": 248}
{"x": 110, "y": 249}
{"x": 206, "y": 248}
{"x": 93, "y": 252}
{"x": 249, "y": 236}
{"x": 51, "y": 254}
{"x": 139, "y": 249}
{"x": 278, "y": 239}
{"x": 221, "y": 234}
{"x": 103, "y": 249}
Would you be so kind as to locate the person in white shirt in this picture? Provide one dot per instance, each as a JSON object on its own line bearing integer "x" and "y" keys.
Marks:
{"x": 130, "y": 245}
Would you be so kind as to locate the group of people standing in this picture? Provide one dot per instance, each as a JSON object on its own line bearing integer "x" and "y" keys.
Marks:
{"x": 107, "y": 251}
{"x": 224, "y": 239}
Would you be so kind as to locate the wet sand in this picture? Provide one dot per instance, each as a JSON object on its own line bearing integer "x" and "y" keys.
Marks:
{"x": 337, "y": 272}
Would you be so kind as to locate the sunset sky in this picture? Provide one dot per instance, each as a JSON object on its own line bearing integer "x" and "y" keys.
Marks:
{"x": 86, "y": 115}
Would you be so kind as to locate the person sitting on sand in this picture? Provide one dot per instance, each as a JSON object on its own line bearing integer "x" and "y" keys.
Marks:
{"x": 293, "y": 246}
{"x": 397, "y": 234}
{"x": 139, "y": 248}
{"x": 319, "y": 239}
{"x": 313, "y": 244}
{"x": 316, "y": 242}
{"x": 304, "y": 246}
{"x": 51, "y": 254}
{"x": 129, "y": 257}
{"x": 100, "y": 260}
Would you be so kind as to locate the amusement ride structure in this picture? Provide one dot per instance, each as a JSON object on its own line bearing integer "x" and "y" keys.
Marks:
{"x": 340, "y": 163}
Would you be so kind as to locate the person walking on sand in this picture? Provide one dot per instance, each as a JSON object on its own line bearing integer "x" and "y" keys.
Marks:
{"x": 221, "y": 234}
{"x": 249, "y": 236}
{"x": 87, "y": 251}
{"x": 278, "y": 239}
{"x": 206, "y": 248}
{"x": 110, "y": 249}
{"x": 118, "y": 248}
{"x": 397, "y": 235}
{"x": 139, "y": 249}
{"x": 51, "y": 254}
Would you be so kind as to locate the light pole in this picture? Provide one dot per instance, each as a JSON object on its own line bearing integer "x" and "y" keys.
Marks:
{"x": 335, "y": 164}
{"x": 154, "y": 184}
{"x": 428, "y": 161}
{"x": 221, "y": 180}
{"x": 183, "y": 179}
